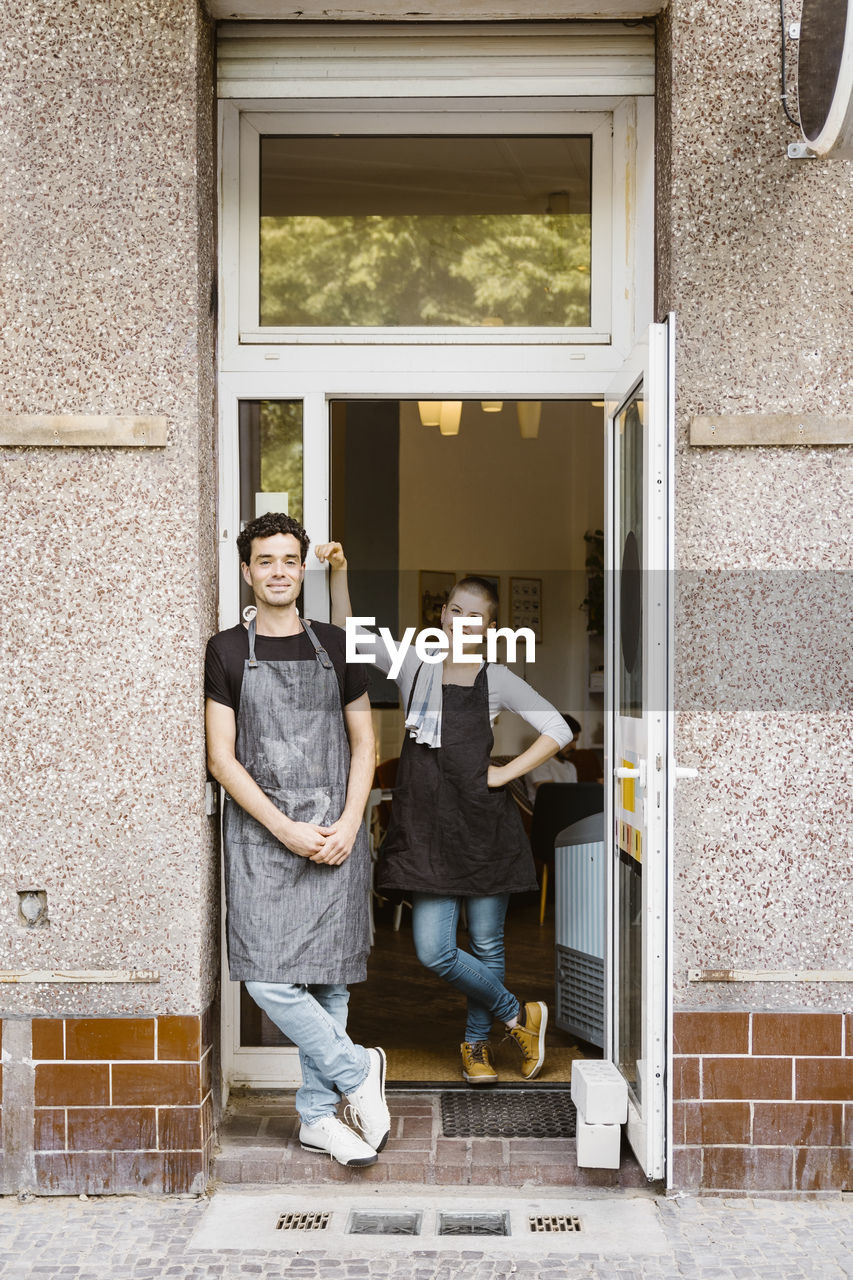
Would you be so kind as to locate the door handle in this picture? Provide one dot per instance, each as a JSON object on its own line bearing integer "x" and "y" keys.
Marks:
{"x": 626, "y": 773}
{"x": 683, "y": 771}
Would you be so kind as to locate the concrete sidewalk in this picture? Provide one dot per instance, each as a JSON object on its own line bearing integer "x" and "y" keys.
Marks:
{"x": 131, "y": 1238}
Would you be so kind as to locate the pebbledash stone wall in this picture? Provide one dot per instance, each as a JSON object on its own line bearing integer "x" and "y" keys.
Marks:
{"x": 753, "y": 251}
{"x": 107, "y": 276}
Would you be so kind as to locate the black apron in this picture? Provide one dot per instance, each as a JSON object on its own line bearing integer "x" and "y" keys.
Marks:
{"x": 289, "y": 919}
{"x": 449, "y": 834}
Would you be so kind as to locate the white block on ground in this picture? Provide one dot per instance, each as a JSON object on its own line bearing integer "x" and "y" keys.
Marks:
{"x": 599, "y": 1092}
{"x": 598, "y": 1145}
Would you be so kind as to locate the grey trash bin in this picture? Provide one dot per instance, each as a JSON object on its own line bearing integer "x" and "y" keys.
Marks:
{"x": 579, "y": 961}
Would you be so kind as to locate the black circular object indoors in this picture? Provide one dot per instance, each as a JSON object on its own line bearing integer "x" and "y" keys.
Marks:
{"x": 630, "y": 602}
{"x": 821, "y": 46}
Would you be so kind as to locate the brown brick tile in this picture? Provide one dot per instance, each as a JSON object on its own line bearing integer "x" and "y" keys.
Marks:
{"x": 415, "y": 1127}
{"x": 748, "y": 1168}
{"x": 139, "y": 1171}
{"x": 206, "y": 1073}
{"x": 48, "y": 1038}
{"x": 487, "y": 1149}
{"x": 710, "y": 1032}
{"x": 746, "y": 1078}
{"x": 825, "y": 1079}
{"x": 553, "y": 1148}
{"x": 596, "y": 1178}
{"x": 413, "y": 1145}
{"x": 155, "y": 1084}
{"x": 398, "y": 1157}
{"x": 185, "y": 1171}
{"x": 709, "y": 1124}
{"x": 685, "y": 1078}
{"x": 848, "y": 1034}
{"x": 112, "y": 1129}
{"x": 75, "y": 1173}
{"x": 487, "y": 1173}
{"x": 796, "y": 1034}
{"x": 454, "y": 1175}
{"x": 824, "y": 1169}
{"x": 172, "y": 1173}
{"x": 206, "y": 1112}
{"x": 109, "y": 1039}
{"x": 179, "y": 1039}
{"x": 451, "y": 1150}
{"x": 180, "y": 1128}
{"x": 797, "y": 1124}
{"x": 49, "y": 1129}
{"x": 207, "y": 1027}
{"x": 679, "y": 1120}
{"x": 72, "y": 1084}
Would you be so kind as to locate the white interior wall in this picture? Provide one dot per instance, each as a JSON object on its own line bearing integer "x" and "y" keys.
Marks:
{"x": 487, "y": 501}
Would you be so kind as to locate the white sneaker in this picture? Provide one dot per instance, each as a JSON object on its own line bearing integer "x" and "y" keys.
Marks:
{"x": 334, "y": 1137}
{"x": 367, "y": 1103}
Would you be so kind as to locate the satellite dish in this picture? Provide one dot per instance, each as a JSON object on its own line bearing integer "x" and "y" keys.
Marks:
{"x": 825, "y": 77}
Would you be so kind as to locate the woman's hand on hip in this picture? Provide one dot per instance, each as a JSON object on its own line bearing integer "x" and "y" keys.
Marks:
{"x": 495, "y": 776}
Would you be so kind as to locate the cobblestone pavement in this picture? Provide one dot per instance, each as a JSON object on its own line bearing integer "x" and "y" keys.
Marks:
{"x": 130, "y": 1238}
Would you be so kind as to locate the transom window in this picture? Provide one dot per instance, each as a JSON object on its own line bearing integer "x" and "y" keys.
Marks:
{"x": 476, "y": 231}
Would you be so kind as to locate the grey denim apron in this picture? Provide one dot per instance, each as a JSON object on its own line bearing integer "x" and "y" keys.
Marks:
{"x": 289, "y": 919}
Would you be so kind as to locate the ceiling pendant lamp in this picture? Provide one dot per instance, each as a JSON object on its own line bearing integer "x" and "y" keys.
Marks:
{"x": 451, "y": 415}
{"x": 529, "y": 413}
{"x": 430, "y": 412}
{"x": 491, "y": 406}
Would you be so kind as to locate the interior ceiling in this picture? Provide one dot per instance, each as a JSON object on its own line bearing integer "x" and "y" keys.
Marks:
{"x": 438, "y": 175}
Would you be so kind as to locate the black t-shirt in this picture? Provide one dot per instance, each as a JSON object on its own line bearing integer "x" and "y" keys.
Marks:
{"x": 228, "y": 650}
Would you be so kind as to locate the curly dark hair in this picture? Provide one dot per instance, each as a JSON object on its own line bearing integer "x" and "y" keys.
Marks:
{"x": 265, "y": 527}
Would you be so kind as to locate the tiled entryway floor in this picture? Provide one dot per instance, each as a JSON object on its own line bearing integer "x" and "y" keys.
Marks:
{"x": 259, "y": 1144}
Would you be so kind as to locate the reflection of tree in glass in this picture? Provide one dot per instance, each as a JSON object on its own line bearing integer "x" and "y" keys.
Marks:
{"x": 281, "y": 451}
{"x": 522, "y": 269}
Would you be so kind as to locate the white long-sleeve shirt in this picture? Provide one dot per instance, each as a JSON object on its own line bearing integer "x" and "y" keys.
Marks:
{"x": 507, "y": 691}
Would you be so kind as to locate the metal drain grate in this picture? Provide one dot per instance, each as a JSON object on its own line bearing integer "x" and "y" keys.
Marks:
{"x": 392, "y": 1223}
{"x": 553, "y": 1222}
{"x": 303, "y": 1222}
{"x": 545, "y": 1113}
{"x": 473, "y": 1224}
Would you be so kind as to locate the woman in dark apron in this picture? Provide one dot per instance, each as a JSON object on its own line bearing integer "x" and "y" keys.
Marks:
{"x": 455, "y": 833}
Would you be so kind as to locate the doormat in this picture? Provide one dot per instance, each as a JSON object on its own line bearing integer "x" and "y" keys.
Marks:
{"x": 506, "y": 1114}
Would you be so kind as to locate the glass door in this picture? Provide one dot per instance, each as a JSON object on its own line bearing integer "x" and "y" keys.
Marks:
{"x": 639, "y": 429}
{"x": 275, "y": 447}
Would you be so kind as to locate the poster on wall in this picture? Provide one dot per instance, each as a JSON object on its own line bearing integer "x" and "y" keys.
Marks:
{"x": 435, "y": 586}
{"x": 525, "y": 605}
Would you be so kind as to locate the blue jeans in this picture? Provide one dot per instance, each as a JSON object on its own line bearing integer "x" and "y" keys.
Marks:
{"x": 479, "y": 976}
{"x": 314, "y": 1017}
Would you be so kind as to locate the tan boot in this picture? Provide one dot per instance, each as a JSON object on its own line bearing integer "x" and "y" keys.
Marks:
{"x": 477, "y": 1063}
{"x": 530, "y": 1038}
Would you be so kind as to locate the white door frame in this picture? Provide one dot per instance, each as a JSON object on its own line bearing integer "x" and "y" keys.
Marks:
{"x": 645, "y": 743}
{"x": 319, "y": 366}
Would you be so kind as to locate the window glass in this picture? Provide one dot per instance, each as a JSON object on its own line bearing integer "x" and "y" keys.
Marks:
{"x": 270, "y": 463}
{"x": 450, "y": 231}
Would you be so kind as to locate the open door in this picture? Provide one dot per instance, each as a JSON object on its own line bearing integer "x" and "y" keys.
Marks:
{"x": 639, "y": 766}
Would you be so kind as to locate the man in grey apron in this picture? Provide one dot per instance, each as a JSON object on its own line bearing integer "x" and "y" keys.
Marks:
{"x": 289, "y": 737}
